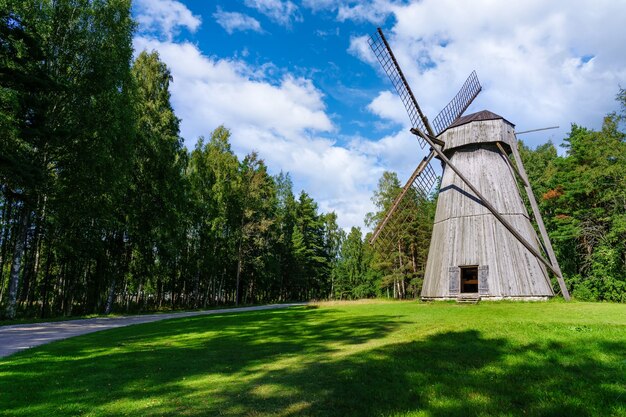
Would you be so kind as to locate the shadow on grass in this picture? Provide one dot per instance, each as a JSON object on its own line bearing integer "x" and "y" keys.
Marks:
{"x": 309, "y": 362}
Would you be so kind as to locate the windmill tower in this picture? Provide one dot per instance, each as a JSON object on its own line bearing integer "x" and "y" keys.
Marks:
{"x": 483, "y": 243}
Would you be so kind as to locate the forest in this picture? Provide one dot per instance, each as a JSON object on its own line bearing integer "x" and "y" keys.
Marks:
{"x": 103, "y": 209}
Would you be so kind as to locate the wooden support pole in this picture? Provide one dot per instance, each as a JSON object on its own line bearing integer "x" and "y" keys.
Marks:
{"x": 537, "y": 215}
{"x": 489, "y": 206}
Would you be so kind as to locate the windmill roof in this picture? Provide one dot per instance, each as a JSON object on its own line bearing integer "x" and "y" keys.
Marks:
{"x": 477, "y": 117}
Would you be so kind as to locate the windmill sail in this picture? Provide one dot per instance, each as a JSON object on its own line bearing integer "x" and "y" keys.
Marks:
{"x": 422, "y": 182}
{"x": 387, "y": 60}
{"x": 423, "y": 179}
{"x": 458, "y": 104}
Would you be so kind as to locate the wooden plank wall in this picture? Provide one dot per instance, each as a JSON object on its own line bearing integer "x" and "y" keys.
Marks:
{"x": 466, "y": 233}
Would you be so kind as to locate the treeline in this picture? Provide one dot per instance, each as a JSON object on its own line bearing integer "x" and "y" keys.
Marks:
{"x": 582, "y": 197}
{"x": 101, "y": 206}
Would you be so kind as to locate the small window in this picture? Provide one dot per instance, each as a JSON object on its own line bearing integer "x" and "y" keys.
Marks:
{"x": 469, "y": 279}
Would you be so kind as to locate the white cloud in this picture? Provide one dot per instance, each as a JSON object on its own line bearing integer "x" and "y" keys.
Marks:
{"x": 317, "y": 5}
{"x": 387, "y": 105}
{"x": 540, "y": 63}
{"x": 375, "y": 11}
{"x": 164, "y": 17}
{"x": 283, "y": 119}
{"x": 280, "y": 11}
{"x": 372, "y": 11}
{"x": 209, "y": 92}
{"x": 399, "y": 152}
{"x": 360, "y": 48}
{"x": 233, "y": 21}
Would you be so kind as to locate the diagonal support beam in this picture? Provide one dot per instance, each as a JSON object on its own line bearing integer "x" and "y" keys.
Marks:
{"x": 400, "y": 196}
{"x": 537, "y": 215}
{"x": 490, "y": 207}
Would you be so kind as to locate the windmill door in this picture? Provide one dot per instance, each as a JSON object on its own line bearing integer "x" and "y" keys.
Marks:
{"x": 469, "y": 279}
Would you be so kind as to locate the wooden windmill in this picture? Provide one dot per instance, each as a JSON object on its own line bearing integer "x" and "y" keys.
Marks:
{"x": 483, "y": 243}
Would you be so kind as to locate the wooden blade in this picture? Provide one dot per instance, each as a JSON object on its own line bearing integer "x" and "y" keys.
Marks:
{"x": 422, "y": 180}
{"x": 387, "y": 60}
{"x": 458, "y": 104}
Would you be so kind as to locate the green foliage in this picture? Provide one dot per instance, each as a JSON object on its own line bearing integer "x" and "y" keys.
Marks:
{"x": 582, "y": 196}
{"x": 313, "y": 250}
{"x": 101, "y": 206}
{"x": 398, "y": 257}
{"x": 156, "y": 204}
{"x": 350, "y": 274}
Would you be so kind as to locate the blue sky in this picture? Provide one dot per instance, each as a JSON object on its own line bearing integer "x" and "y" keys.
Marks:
{"x": 295, "y": 80}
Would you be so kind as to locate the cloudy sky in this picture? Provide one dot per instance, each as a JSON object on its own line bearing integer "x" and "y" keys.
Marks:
{"x": 295, "y": 80}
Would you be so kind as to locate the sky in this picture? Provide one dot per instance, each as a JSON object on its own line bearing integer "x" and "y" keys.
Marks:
{"x": 295, "y": 80}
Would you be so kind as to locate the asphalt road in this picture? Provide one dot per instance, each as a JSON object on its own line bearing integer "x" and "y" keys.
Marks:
{"x": 17, "y": 337}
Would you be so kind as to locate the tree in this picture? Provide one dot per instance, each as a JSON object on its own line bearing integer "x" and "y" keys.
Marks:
{"x": 65, "y": 79}
{"x": 351, "y": 267}
{"x": 285, "y": 222}
{"x": 400, "y": 256}
{"x": 333, "y": 240}
{"x": 214, "y": 175}
{"x": 22, "y": 127}
{"x": 257, "y": 204}
{"x": 310, "y": 254}
{"x": 582, "y": 195}
{"x": 156, "y": 202}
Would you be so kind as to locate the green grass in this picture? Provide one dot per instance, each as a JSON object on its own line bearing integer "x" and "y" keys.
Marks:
{"x": 359, "y": 359}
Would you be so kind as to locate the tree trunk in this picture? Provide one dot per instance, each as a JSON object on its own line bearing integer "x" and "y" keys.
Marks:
{"x": 14, "y": 277}
{"x": 237, "y": 294}
{"x": 26, "y": 267}
{"x": 206, "y": 294}
{"x": 46, "y": 283}
{"x": 6, "y": 222}
{"x": 109, "y": 304}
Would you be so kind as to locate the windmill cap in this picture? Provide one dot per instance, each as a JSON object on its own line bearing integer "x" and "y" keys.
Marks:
{"x": 477, "y": 117}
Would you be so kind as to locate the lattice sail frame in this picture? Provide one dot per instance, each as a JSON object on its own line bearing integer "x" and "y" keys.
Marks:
{"x": 421, "y": 189}
{"x": 387, "y": 60}
{"x": 389, "y": 230}
{"x": 457, "y": 106}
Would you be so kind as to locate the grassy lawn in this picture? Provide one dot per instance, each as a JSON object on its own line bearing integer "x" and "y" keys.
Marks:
{"x": 344, "y": 359}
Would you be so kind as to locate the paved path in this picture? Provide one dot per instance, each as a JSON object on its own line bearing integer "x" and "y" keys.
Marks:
{"x": 18, "y": 337}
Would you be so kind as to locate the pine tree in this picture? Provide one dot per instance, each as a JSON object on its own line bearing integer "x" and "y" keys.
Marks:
{"x": 157, "y": 190}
